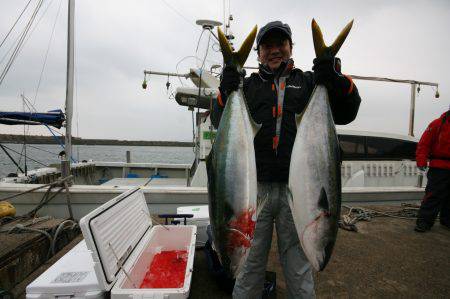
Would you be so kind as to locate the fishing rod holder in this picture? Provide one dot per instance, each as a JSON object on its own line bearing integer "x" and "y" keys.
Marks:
{"x": 175, "y": 216}
{"x": 415, "y": 87}
{"x": 166, "y": 74}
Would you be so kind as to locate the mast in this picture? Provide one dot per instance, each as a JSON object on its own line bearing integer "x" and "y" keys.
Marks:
{"x": 65, "y": 167}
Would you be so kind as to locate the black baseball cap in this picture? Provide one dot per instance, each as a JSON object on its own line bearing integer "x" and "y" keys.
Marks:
{"x": 273, "y": 26}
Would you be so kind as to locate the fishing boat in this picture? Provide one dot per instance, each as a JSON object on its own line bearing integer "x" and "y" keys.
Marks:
{"x": 376, "y": 168}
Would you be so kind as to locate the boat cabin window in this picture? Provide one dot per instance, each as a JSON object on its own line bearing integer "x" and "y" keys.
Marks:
{"x": 388, "y": 149}
{"x": 376, "y": 148}
{"x": 353, "y": 147}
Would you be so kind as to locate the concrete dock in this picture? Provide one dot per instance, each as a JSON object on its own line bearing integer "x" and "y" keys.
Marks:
{"x": 384, "y": 259}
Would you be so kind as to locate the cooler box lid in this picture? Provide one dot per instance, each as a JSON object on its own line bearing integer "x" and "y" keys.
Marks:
{"x": 113, "y": 230}
{"x": 72, "y": 276}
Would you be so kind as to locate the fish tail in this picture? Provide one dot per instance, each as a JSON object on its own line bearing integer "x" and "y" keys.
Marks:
{"x": 238, "y": 58}
{"x": 227, "y": 51}
{"x": 319, "y": 44}
{"x": 246, "y": 47}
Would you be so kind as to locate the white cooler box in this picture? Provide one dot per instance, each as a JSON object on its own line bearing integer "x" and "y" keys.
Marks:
{"x": 200, "y": 219}
{"x": 72, "y": 276}
{"x": 120, "y": 239}
{"x": 123, "y": 242}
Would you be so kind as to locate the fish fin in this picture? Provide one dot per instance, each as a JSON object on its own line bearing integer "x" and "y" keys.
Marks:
{"x": 208, "y": 161}
{"x": 236, "y": 58}
{"x": 289, "y": 195}
{"x": 326, "y": 255}
{"x": 323, "y": 200}
{"x": 255, "y": 127}
{"x": 319, "y": 44}
{"x": 340, "y": 39}
{"x": 210, "y": 177}
{"x": 227, "y": 51}
{"x": 298, "y": 118}
{"x": 246, "y": 47}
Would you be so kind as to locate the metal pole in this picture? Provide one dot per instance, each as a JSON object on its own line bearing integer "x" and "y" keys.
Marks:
{"x": 126, "y": 168}
{"x": 391, "y": 80}
{"x": 411, "y": 109}
{"x": 69, "y": 90}
{"x": 166, "y": 74}
{"x": 380, "y": 79}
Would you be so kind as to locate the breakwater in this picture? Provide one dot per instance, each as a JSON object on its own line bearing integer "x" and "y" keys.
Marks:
{"x": 10, "y": 138}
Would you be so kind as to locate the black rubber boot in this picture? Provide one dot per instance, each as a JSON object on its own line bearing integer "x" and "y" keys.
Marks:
{"x": 421, "y": 226}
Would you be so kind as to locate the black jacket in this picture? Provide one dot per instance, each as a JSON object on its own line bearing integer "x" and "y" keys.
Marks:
{"x": 261, "y": 96}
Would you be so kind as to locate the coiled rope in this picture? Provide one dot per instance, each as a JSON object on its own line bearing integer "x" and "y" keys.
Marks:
{"x": 356, "y": 214}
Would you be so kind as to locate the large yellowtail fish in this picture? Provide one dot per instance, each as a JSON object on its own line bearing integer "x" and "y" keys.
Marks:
{"x": 315, "y": 171}
{"x": 231, "y": 167}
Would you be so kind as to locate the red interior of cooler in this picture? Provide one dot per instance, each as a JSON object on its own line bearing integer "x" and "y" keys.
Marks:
{"x": 162, "y": 263}
{"x": 167, "y": 270}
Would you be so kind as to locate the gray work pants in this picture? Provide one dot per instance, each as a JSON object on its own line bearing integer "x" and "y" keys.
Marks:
{"x": 296, "y": 268}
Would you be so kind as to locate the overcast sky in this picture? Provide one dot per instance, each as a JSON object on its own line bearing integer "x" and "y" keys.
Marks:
{"x": 117, "y": 40}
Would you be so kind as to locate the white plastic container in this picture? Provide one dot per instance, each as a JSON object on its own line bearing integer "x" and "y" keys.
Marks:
{"x": 200, "y": 219}
{"x": 123, "y": 243}
{"x": 72, "y": 276}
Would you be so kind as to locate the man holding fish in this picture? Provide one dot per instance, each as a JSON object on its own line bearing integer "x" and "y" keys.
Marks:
{"x": 275, "y": 96}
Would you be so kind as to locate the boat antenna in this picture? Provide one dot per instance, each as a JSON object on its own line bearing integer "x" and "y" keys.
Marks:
{"x": 209, "y": 25}
{"x": 206, "y": 25}
{"x": 227, "y": 23}
{"x": 25, "y": 140}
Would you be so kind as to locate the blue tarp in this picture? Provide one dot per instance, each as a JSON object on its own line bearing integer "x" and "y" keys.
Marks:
{"x": 53, "y": 118}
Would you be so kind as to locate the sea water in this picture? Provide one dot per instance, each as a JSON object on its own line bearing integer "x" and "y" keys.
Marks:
{"x": 42, "y": 155}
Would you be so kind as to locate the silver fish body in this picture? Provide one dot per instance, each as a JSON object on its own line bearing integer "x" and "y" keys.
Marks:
{"x": 315, "y": 180}
{"x": 232, "y": 185}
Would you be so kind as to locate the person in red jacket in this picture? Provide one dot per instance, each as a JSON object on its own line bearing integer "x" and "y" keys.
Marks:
{"x": 433, "y": 150}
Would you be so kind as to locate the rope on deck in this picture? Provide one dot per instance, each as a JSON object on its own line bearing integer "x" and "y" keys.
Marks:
{"x": 51, "y": 236}
{"x": 51, "y": 185}
{"x": 356, "y": 214}
{"x": 62, "y": 183}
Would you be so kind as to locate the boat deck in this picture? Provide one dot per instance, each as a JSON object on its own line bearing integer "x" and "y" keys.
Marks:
{"x": 22, "y": 250}
{"x": 385, "y": 258}
{"x": 167, "y": 182}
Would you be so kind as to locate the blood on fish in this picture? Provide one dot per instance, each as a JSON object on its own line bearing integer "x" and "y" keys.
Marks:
{"x": 167, "y": 270}
{"x": 241, "y": 230}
